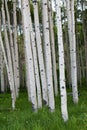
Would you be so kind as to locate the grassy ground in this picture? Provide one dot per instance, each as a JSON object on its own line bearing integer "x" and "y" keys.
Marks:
{"x": 22, "y": 118}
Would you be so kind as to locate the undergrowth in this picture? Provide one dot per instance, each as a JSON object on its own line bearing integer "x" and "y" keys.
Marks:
{"x": 22, "y": 118}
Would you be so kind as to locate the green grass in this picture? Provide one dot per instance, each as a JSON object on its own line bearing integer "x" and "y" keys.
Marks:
{"x": 22, "y": 118}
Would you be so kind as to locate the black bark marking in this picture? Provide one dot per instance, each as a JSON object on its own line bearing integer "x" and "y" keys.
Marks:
{"x": 44, "y": 102}
{"x": 42, "y": 70}
{"x": 62, "y": 87}
{"x": 45, "y": 3}
{"x": 47, "y": 28}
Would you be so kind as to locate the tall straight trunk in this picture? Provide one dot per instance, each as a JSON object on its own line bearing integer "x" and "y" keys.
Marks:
{"x": 50, "y": 13}
{"x": 36, "y": 68}
{"x": 40, "y": 52}
{"x": 72, "y": 40}
{"x": 28, "y": 47}
{"x": 74, "y": 69}
{"x": 61, "y": 62}
{"x": 47, "y": 50}
{"x": 26, "y": 58}
{"x": 17, "y": 78}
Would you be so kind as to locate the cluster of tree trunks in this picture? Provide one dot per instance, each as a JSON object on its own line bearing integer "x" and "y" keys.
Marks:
{"x": 39, "y": 51}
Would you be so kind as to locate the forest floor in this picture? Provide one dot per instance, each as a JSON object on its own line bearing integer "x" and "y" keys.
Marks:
{"x": 22, "y": 118}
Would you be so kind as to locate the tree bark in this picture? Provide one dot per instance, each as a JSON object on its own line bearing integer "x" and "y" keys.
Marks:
{"x": 47, "y": 50}
{"x": 40, "y": 52}
{"x": 61, "y": 62}
{"x": 28, "y": 47}
{"x": 50, "y": 13}
{"x": 17, "y": 78}
{"x": 72, "y": 40}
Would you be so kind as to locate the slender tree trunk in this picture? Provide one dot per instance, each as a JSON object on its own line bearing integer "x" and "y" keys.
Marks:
{"x": 47, "y": 49}
{"x": 26, "y": 26}
{"x": 61, "y": 62}
{"x": 17, "y": 79}
{"x": 50, "y": 13}
{"x": 72, "y": 40}
{"x": 40, "y": 53}
{"x": 36, "y": 69}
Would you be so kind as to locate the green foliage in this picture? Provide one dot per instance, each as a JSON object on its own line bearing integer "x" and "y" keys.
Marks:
{"x": 22, "y": 118}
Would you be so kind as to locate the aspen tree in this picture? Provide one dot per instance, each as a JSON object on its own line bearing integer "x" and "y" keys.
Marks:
{"x": 61, "y": 62}
{"x": 34, "y": 52}
{"x": 50, "y": 13}
{"x": 72, "y": 40}
{"x": 17, "y": 80}
{"x": 40, "y": 52}
{"x": 25, "y": 16}
{"x": 47, "y": 50}
{"x": 26, "y": 63}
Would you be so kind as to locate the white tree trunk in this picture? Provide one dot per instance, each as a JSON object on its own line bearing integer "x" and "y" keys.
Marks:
{"x": 17, "y": 79}
{"x": 27, "y": 73}
{"x": 53, "y": 48}
{"x": 71, "y": 31}
{"x": 47, "y": 50}
{"x": 26, "y": 26}
{"x": 37, "y": 77}
{"x": 40, "y": 53}
{"x": 61, "y": 62}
